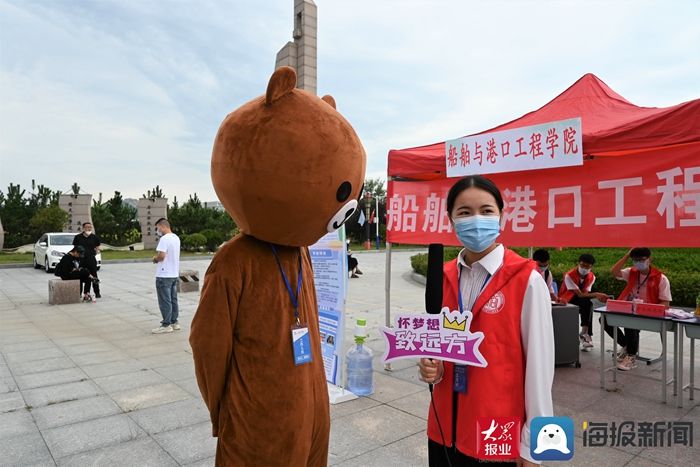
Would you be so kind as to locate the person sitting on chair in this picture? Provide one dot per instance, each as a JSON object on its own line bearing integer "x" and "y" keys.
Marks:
{"x": 646, "y": 283}
{"x": 542, "y": 258}
{"x": 576, "y": 289}
{"x": 352, "y": 264}
{"x": 69, "y": 269}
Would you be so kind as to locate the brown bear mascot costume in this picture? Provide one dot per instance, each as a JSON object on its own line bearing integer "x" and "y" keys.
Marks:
{"x": 288, "y": 168}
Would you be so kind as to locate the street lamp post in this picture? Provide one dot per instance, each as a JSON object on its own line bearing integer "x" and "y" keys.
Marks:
{"x": 368, "y": 206}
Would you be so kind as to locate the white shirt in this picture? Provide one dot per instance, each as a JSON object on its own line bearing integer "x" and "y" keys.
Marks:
{"x": 536, "y": 332}
{"x": 571, "y": 285}
{"x": 170, "y": 266}
{"x": 664, "y": 285}
{"x": 547, "y": 279}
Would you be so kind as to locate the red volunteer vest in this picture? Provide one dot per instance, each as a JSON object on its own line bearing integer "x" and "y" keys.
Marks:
{"x": 565, "y": 294}
{"x": 652, "y": 285}
{"x": 499, "y": 389}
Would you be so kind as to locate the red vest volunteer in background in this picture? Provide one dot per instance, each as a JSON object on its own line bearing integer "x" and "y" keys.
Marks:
{"x": 511, "y": 305}
{"x": 584, "y": 284}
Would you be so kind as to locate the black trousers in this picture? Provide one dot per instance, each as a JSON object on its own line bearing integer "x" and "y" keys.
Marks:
{"x": 585, "y": 309}
{"x": 83, "y": 275}
{"x": 436, "y": 457}
{"x": 629, "y": 338}
{"x": 90, "y": 263}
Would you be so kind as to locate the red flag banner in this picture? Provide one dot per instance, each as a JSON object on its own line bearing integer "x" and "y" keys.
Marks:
{"x": 650, "y": 199}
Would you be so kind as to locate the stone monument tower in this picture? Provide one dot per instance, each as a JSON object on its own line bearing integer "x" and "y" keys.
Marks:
{"x": 79, "y": 209}
{"x": 150, "y": 208}
{"x": 301, "y": 54}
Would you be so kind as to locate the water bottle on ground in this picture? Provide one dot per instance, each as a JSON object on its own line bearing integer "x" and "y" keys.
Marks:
{"x": 359, "y": 363}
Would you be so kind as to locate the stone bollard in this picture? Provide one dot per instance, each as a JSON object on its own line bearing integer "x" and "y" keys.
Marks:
{"x": 63, "y": 292}
{"x": 189, "y": 281}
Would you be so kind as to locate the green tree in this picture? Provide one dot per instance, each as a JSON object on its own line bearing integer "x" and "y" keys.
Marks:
{"x": 47, "y": 219}
{"x": 115, "y": 221}
{"x": 353, "y": 229}
{"x": 15, "y": 213}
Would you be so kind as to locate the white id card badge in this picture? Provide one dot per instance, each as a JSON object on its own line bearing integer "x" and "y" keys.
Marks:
{"x": 301, "y": 344}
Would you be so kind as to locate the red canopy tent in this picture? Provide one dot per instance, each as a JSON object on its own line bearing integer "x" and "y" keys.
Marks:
{"x": 641, "y": 170}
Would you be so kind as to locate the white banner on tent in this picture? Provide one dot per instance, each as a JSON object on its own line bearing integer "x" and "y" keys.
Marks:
{"x": 545, "y": 146}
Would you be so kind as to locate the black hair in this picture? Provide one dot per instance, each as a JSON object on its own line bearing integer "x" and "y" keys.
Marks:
{"x": 640, "y": 252}
{"x": 163, "y": 221}
{"x": 85, "y": 223}
{"x": 473, "y": 181}
{"x": 586, "y": 258}
{"x": 541, "y": 255}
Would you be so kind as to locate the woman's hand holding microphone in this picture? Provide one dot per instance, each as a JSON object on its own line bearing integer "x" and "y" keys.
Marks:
{"x": 431, "y": 371}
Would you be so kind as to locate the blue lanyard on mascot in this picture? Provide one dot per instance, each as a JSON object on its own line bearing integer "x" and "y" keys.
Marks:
{"x": 292, "y": 296}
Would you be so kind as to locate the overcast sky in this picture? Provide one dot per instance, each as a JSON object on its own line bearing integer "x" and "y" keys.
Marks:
{"x": 123, "y": 95}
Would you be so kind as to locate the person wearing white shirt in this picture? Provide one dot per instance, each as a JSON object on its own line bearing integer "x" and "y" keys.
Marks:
{"x": 645, "y": 283}
{"x": 510, "y": 304}
{"x": 541, "y": 256}
{"x": 167, "y": 275}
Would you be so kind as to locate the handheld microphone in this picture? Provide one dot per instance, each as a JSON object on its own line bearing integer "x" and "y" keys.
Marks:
{"x": 433, "y": 283}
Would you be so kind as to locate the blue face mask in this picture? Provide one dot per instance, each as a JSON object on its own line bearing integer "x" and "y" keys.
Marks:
{"x": 641, "y": 265}
{"x": 477, "y": 233}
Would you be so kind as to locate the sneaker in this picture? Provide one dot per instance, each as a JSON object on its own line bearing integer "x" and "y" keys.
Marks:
{"x": 629, "y": 362}
{"x": 97, "y": 295}
{"x": 87, "y": 297}
{"x": 176, "y": 326}
{"x": 620, "y": 355}
{"x": 162, "y": 330}
{"x": 587, "y": 342}
{"x": 357, "y": 271}
{"x": 354, "y": 276}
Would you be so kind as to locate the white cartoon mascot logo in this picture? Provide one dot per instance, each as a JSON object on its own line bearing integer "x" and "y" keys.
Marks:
{"x": 551, "y": 436}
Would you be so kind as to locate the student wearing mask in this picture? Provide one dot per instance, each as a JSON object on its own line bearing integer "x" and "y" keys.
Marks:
{"x": 89, "y": 240}
{"x": 646, "y": 283}
{"x": 511, "y": 306}
{"x": 541, "y": 257}
{"x": 576, "y": 289}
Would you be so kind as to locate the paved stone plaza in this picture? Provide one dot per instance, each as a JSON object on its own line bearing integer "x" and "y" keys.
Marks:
{"x": 87, "y": 384}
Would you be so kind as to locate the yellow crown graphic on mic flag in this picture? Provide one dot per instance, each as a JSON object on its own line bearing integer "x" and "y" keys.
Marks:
{"x": 455, "y": 323}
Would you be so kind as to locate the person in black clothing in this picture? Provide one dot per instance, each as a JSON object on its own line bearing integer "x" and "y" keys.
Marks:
{"x": 69, "y": 269}
{"x": 89, "y": 240}
{"x": 352, "y": 263}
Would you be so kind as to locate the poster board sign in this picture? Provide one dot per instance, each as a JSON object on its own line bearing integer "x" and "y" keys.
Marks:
{"x": 445, "y": 336}
{"x": 329, "y": 260}
{"x": 543, "y": 146}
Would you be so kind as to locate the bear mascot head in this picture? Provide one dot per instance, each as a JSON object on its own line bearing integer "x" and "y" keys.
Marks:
{"x": 287, "y": 166}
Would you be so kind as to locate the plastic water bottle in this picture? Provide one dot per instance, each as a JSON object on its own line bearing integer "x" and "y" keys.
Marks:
{"x": 359, "y": 363}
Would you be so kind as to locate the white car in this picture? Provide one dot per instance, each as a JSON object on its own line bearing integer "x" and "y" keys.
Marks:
{"x": 49, "y": 249}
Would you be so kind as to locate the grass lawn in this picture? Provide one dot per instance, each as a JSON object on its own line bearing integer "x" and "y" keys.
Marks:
{"x": 26, "y": 258}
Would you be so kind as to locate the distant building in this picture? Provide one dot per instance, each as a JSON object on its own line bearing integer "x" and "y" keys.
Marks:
{"x": 214, "y": 205}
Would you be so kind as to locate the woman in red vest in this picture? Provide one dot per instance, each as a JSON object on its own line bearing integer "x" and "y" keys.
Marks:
{"x": 510, "y": 304}
{"x": 646, "y": 283}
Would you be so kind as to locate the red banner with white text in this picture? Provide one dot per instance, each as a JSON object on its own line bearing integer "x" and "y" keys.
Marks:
{"x": 649, "y": 199}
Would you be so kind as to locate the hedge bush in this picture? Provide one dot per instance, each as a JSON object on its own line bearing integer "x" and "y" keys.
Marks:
{"x": 681, "y": 266}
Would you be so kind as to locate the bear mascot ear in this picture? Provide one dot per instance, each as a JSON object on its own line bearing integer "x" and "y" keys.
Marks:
{"x": 328, "y": 99}
{"x": 282, "y": 82}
